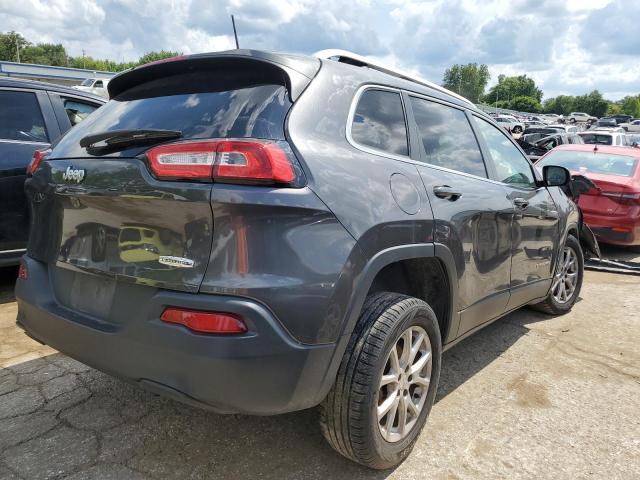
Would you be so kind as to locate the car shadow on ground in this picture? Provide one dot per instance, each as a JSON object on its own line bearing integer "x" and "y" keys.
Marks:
{"x": 71, "y": 417}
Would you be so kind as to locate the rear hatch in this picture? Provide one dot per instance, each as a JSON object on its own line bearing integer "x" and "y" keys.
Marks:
{"x": 102, "y": 210}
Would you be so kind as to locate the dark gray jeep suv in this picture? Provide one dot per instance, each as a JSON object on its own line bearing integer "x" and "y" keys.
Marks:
{"x": 262, "y": 233}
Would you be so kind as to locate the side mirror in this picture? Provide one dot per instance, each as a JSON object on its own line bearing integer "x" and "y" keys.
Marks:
{"x": 555, "y": 176}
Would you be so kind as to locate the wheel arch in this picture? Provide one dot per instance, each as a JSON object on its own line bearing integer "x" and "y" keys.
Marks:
{"x": 372, "y": 268}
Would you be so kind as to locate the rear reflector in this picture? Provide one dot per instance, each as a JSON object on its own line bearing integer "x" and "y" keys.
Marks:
{"x": 23, "y": 274}
{"x": 225, "y": 160}
{"x": 204, "y": 322}
{"x": 38, "y": 156}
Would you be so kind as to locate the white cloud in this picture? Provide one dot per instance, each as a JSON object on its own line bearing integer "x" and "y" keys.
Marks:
{"x": 567, "y": 47}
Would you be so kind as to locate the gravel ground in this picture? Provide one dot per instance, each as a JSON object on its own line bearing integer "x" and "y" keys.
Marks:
{"x": 528, "y": 397}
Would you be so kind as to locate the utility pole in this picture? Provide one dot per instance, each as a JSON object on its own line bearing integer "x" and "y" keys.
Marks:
{"x": 18, "y": 51}
{"x": 235, "y": 34}
{"x": 84, "y": 65}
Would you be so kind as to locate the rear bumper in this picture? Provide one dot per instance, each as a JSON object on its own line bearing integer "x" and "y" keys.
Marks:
{"x": 608, "y": 235}
{"x": 262, "y": 372}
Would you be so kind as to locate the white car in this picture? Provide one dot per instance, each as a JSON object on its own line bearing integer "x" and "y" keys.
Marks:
{"x": 580, "y": 117}
{"x": 566, "y": 128}
{"x": 551, "y": 118}
{"x": 601, "y": 136}
{"x": 631, "y": 127}
{"x": 510, "y": 123}
{"x": 97, "y": 86}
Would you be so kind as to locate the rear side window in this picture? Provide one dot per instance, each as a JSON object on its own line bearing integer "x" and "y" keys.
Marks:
{"x": 21, "y": 118}
{"x": 447, "y": 137}
{"x": 77, "y": 111}
{"x": 379, "y": 122}
{"x": 200, "y": 105}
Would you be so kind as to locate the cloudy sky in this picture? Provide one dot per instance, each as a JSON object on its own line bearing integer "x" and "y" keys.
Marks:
{"x": 567, "y": 46}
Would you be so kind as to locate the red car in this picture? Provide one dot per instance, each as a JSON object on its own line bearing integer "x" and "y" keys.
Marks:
{"x": 612, "y": 210}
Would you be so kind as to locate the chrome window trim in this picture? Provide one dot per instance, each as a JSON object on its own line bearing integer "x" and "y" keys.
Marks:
{"x": 352, "y": 112}
{"x": 10, "y": 140}
{"x": 17, "y": 250}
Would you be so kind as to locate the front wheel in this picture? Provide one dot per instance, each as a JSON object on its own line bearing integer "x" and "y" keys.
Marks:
{"x": 567, "y": 280}
{"x": 517, "y": 129}
{"x": 386, "y": 383}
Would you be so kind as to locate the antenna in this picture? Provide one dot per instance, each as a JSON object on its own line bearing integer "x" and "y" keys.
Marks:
{"x": 235, "y": 34}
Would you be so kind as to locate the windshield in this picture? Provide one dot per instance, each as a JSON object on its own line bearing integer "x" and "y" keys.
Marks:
{"x": 595, "y": 139}
{"x": 590, "y": 162}
{"x": 87, "y": 82}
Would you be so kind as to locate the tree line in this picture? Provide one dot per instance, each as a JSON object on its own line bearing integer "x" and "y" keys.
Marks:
{"x": 514, "y": 93}
{"x": 15, "y": 48}
{"x": 521, "y": 93}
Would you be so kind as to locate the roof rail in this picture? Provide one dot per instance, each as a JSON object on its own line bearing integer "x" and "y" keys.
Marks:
{"x": 351, "y": 58}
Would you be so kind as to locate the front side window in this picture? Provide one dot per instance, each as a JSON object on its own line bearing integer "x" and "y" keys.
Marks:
{"x": 379, "y": 123}
{"x": 77, "y": 111}
{"x": 447, "y": 137}
{"x": 510, "y": 165}
{"x": 98, "y": 84}
{"x": 21, "y": 118}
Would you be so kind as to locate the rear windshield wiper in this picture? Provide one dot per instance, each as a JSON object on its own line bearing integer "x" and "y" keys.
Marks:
{"x": 115, "y": 139}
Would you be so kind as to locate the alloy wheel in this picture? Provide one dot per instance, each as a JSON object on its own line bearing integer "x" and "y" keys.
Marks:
{"x": 566, "y": 277}
{"x": 404, "y": 384}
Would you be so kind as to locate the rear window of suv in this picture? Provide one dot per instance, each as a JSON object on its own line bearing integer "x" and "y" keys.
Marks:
{"x": 595, "y": 139}
{"x": 200, "y": 105}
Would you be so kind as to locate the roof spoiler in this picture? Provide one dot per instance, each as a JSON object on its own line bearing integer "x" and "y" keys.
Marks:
{"x": 351, "y": 58}
{"x": 298, "y": 71}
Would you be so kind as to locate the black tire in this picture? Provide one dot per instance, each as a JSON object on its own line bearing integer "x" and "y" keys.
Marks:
{"x": 550, "y": 305}
{"x": 517, "y": 129}
{"x": 572, "y": 120}
{"x": 348, "y": 415}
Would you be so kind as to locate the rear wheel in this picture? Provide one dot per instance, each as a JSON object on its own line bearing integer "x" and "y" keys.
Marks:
{"x": 386, "y": 383}
{"x": 567, "y": 280}
{"x": 517, "y": 129}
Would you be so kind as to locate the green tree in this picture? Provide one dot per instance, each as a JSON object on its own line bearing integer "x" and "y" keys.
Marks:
{"x": 525, "y": 104}
{"x": 468, "y": 80}
{"x": 508, "y": 88}
{"x": 592, "y": 103}
{"x": 561, "y": 105}
{"x": 614, "y": 109}
{"x": 631, "y": 106}
{"x": 11, "y": 45}
{"x": 45, "y": 54}
{"x": 155, "y": 56}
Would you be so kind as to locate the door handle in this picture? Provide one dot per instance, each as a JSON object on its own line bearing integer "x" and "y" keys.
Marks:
{"x": 445, "y": 191}
{"x": 521, "y": 202}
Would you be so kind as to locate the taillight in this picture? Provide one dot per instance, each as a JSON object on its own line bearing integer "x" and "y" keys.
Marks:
{"x": 253, "y": 161}
{"x": 628, "y": 198}
{"x": 38, "y": 156}
{"x": 204, "y": 322}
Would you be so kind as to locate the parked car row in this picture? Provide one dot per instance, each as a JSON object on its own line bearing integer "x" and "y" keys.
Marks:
{"x": 33, "y": 115}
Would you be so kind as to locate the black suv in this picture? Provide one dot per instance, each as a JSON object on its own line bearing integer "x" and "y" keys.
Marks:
{"x": 262, "y": 233}
{"x": 32, "y": 116}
